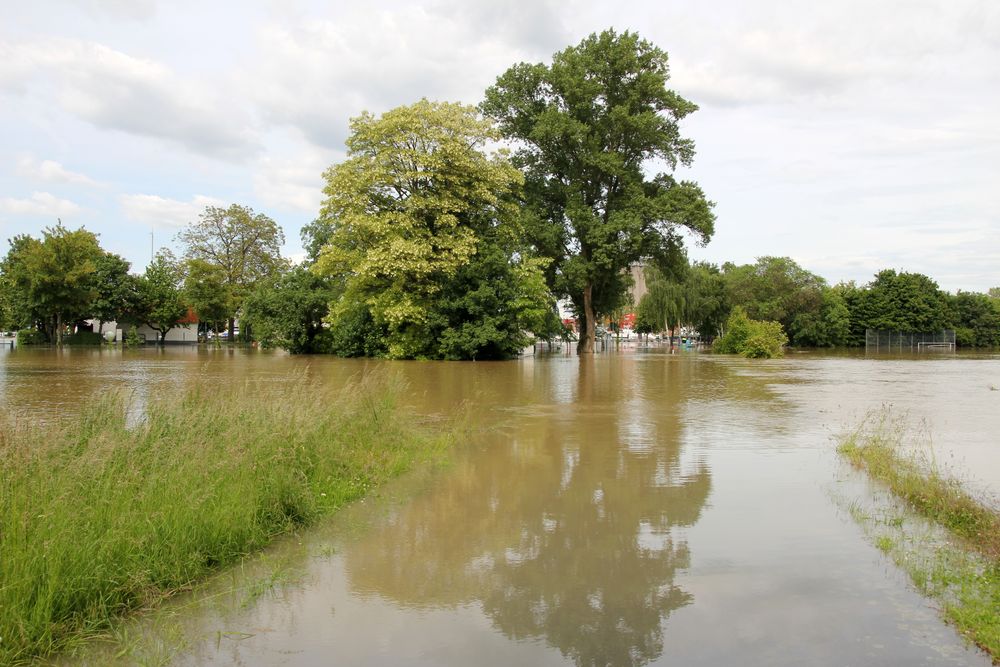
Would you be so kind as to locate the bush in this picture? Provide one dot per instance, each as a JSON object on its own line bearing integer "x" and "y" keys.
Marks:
{"x": 753, "y": 339}
{"x": 83, "y": 338}
{"x": 31, "y": 337}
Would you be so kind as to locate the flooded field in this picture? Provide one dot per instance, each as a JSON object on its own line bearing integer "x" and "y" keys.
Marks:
{"x": 634, "y": 508}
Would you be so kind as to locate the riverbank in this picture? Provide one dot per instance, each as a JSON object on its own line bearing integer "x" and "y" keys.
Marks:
{"x": 964, "y": 575}
{"x": 107, "y": 513}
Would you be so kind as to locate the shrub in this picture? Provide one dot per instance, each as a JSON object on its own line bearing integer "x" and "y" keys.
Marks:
{"x": 754, "y": 339}
{"x": 83, "y": 338}
{"x": 31, "y": 337}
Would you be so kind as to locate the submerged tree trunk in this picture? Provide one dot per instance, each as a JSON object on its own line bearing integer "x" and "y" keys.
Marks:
{"x": 232, "y": 329}
{"x": 586, "y": 345}
{"x": 59, "y": 328}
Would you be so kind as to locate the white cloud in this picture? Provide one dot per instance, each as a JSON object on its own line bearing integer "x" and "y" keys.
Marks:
{"x": 397, "y": 58}
{"x": 113, "y": 90}
{"x": 51, "y": 171}
{"x": 39, "y": 204}
{"x": 160, "y": 212}
{"x": 293, "y": 183}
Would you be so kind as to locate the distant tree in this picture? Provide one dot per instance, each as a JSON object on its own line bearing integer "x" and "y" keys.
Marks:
{"x": 977, "y": 319}
{"x": 423, "y": 238}
{"x": 708, "y": 303}
{"x": 777, "y": 288}
{"x": 206, "y": 291}
{"x": 246, "y": 246}
{"x": 160, "y": 297}
{"x": 116, "y": 289}
{"x": 289, "y": 312}
{"x": 827, "y": 326}
{"x": 908, "y": 302}
{"x": 993, "y": 293}
{"x": 53, "y": 279}
{"x": 664, "y": 306}
{"x": 588, "y": 127}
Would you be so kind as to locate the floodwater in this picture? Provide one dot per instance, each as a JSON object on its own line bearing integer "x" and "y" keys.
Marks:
{"x": 635, "y": 508}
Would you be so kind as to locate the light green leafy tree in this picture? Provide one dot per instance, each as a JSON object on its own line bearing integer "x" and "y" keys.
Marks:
{"x": 588, "y": 129}
{"x": 754, "y": 339}
{"x": 417, "y": 209}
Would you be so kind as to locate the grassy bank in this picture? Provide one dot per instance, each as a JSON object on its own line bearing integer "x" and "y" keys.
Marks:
{"x": 964, "y": 575}
{"x": 100, "y": 515}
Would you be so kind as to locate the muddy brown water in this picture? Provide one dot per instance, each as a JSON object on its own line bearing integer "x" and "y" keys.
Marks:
{"x": 636, "y": 508}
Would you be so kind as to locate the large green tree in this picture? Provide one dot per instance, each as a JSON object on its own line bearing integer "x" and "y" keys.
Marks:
{"x": 244, "y": 245}
{"x": 53, "y": 278}
{"x": 588, "y": 128}
{"x": 289, "y": 311}
{"x": 416, "y": 210}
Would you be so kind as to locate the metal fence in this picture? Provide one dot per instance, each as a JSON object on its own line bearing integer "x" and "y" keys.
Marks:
{"x": 880, "y": 340}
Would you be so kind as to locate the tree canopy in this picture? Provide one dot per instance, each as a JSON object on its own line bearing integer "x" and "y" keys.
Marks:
{"x": 53, "y": 279}
{"x": 245, "y": 246}
{"x": 587, "y": 128}
{"x": 423, "y": 237}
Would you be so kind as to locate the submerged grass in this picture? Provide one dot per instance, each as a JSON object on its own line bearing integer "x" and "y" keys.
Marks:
{"x": 100, "y": 515}
{"x": 965, "y": 575}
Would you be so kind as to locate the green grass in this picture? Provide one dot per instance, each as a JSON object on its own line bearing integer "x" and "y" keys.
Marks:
{"x": 100, "y": 515}
{"x": 965, "y": 575}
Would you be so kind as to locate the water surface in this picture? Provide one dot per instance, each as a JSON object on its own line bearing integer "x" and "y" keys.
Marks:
{"x": 630, "y": 509}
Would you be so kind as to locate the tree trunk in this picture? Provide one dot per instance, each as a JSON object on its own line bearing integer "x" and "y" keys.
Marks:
{"x": 586, "y": 345}
{"x": 59, "y": 329}
{"x": 232, "y": 329}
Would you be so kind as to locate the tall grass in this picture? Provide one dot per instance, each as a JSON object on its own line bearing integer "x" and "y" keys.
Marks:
{"x": 967, "y": 581}
{"x": 100, "y": 515}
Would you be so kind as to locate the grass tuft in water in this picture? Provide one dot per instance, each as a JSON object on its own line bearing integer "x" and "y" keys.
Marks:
{"x": 100, "y": 515}
{"x": 965, "y": 575}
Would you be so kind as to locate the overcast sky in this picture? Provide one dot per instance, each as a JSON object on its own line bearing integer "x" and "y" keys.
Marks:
{"x": 850, "y": 136}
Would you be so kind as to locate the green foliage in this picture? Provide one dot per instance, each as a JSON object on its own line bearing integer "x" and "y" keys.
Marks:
{"x": 753, "y": 339}
{"x": 356, "y": 334}
{"x": 116, "y": 289}
{"x": 707, "y": 301}
{"x": 777, "y": 288}
{"x": 289, "y": 312}
{"x": 206, "y": 291}
{"x": 31, "y": 337}
{"x": 588, "y": 126}
{"x": 976, "y": 319}
{"x": 908, "y": 302}
{"x": 132, "y": 337}
{"x": 419, "y": 220}
{"x": 160, "y": 297}
{"x": 83, "y": 338}
{"x": 664, "y": 306}
{"x": 52, "y": 280}
{"x": 102, "y": 515}
{"x": 243, "y": 246}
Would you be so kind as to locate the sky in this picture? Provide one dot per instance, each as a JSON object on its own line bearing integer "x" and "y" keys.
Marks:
{"x": 850, "y": 136}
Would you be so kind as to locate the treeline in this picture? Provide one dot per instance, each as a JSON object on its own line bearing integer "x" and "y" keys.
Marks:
{"x": 57, "y": 282}
{"x": 811, "y": 312}
{"x": 430, "y": 245}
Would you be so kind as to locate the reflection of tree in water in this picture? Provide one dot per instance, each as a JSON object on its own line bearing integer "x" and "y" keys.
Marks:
{"x": 564, "y": 533}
